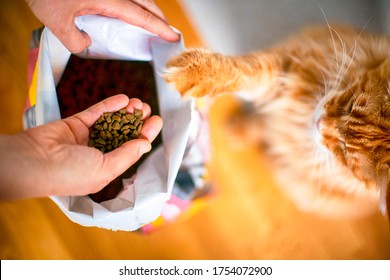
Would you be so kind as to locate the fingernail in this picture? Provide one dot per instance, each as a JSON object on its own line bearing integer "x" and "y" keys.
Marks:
{"x": 171, "y": 36}
{"x": 144, "y": 148}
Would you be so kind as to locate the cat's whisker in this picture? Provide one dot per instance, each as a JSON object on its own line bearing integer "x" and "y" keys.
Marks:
{"x": 343, "y": 70}
{"x": 340, "y": 72}
{"x": 347, "y": 57}
{"x": 351, "y": 57}
{"x": 310, "y": 85}
{"x": 363, "y": 29}
{"x": 326, "y": 82}
{"x": 331, "y": 30}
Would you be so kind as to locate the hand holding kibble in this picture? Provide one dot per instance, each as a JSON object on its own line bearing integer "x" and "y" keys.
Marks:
{"x": 111, "y": 130}
{"x": 56, "y": 160}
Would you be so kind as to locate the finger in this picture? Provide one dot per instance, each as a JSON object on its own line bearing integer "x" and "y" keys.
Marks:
{"x": 119, "y": 160}
{"x": 134, "y": 14}
{"x": 135, "y": 103}
{"x": 150, "y": 6}
{"x": 81, "y": 122}
{"x": 111, "y": 104}
{"x": 152, "y": 128}
{"x": 152, "y": 125}
{"x": 74, "y": 39}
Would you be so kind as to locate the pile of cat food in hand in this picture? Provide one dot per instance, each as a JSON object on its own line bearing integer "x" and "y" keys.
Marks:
{"x": 112, "y": 129}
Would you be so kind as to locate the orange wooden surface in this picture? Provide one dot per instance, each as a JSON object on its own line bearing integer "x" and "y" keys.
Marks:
{"x": 248, "y": 218}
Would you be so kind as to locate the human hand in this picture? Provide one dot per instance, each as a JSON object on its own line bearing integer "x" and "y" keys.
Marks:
{"x": 59, "y": 16}
{"x": 54, "y": 159}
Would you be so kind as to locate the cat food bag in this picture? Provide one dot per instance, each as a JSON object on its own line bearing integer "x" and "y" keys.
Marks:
{"x": 171, "y": 177}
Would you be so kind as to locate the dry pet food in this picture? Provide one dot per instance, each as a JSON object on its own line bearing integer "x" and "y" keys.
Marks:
{"x": 86, "y": 82}
{"x": 111, "y": 130}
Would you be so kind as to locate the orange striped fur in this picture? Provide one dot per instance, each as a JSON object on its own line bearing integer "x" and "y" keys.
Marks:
{"x": 318, "y": 104}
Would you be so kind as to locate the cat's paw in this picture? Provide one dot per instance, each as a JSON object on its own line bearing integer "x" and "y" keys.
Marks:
{"x": 192, "y": 73}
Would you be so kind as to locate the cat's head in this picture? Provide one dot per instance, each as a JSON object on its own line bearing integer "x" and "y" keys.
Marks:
{"x": 353, "y": 122}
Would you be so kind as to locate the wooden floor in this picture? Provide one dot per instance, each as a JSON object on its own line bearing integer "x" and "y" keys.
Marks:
{"x": 247, "y": 219}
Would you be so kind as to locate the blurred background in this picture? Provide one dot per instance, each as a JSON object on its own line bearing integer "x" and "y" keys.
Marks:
{"x": 246, "y": 217}
{"x": 235, "y": 27}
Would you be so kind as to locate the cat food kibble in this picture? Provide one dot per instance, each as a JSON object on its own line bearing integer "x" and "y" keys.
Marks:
{"x": 111, "y": 130}
{"x": 86, "y": 82}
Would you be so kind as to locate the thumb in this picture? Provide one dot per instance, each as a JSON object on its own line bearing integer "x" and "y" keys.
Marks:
{"x": 75, "y": 40}
{"x": 119, "y": 160}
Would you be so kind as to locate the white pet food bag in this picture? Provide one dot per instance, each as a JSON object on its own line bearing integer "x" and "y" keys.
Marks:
{"x": 145, "y": 194}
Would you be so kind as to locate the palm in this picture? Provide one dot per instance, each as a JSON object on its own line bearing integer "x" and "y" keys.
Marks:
{"x": 70, "y": 166}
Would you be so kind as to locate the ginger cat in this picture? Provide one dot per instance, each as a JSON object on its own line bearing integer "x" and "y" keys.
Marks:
{"x": 319, "y": 106}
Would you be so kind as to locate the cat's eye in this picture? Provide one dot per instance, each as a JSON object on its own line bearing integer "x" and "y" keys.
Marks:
{"x": 343, "y": 112}
{"x": 347, "y": 109}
